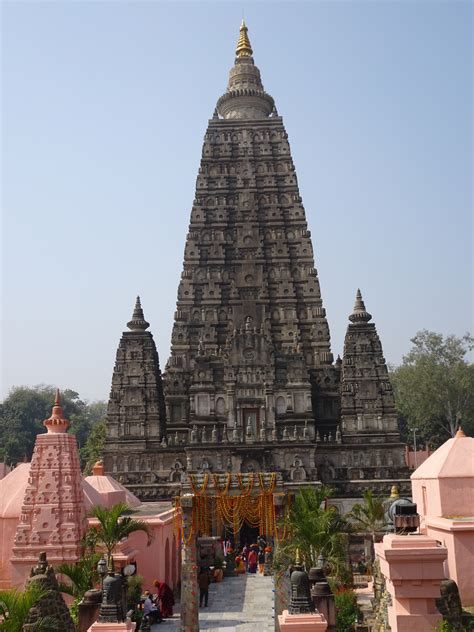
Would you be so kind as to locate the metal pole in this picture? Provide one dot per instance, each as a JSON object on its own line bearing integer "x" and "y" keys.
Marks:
{"x": 414, "y": 446}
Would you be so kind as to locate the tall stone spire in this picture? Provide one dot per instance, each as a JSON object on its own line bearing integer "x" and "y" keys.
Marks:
{"x": 250, "y": 341}
{"x": 245, "y": 97}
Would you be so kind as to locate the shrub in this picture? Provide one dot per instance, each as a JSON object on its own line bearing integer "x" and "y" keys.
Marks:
{"x": 347, "y": 610}
{"x": 134, "y": 591}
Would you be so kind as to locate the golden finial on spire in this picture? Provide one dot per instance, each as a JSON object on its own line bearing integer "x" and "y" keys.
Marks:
{"x": 243, "y": 45}
{"x": 297, "y": 557}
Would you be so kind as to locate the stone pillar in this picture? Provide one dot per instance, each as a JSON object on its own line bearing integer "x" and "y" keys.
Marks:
{"x": 189, "y": 571}
{"x": 413, "y": 569}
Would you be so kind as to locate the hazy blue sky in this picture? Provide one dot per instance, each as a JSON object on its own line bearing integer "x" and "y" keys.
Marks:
{"x": 104, "y": 109}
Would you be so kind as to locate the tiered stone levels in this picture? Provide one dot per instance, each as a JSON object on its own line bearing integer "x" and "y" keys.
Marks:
{"x": 250, "y": 342}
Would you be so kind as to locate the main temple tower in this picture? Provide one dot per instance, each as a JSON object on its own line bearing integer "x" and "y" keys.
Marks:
{"x": 251, "y": 383}
{"x": 250, "y": 346}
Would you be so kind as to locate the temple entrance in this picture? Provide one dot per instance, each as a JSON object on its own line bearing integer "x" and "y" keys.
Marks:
{"x": 243, "y": 505}
{"x": 248, "y": 535}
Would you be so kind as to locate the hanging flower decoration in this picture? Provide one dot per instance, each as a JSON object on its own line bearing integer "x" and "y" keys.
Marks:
{"x": 216, "y": 504}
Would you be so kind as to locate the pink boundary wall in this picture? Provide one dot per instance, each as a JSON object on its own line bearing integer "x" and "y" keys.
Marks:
{"x": 413, "y": 570}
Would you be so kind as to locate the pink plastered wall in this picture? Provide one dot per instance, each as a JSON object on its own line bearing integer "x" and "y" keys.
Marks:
{"x": 161, "y": 559}
{"x": 443, "y": 489}
{"x": 458, "y": 538}
{"x": 447, "y": 497}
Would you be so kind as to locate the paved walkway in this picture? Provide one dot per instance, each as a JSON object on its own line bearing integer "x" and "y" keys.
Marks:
{"x": 238, "y": 604}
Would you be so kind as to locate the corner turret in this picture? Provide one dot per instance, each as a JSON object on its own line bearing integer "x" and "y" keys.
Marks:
{"x": 367, "y": 402}
{"x": 136, "y": 408}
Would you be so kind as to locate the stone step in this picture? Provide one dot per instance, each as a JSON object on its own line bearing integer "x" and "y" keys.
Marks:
{"x": 238, "y": 604}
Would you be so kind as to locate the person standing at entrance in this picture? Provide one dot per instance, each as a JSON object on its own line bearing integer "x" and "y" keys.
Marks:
{"x": 252, "y": 560}
{"x": 203, "y": 581}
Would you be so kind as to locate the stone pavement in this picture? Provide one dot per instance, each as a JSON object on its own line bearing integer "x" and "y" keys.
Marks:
{"x": 238, "y": 604}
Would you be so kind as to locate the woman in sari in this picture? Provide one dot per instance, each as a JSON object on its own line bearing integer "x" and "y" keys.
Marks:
{"x": 252, "y": 561}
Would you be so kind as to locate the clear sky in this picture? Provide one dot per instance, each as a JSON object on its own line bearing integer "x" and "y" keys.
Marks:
{"x": 104, "y": 109}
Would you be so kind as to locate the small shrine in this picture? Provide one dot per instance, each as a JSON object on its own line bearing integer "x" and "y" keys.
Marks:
{"x": 53, "y": 516}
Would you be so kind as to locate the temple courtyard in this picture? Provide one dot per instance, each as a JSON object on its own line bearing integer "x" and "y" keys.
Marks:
{"x": 238, "y": 604}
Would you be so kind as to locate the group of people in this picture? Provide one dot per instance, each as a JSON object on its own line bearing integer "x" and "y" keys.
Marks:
{"x": 158, "y": 605}
{"x": 252, "y": 557}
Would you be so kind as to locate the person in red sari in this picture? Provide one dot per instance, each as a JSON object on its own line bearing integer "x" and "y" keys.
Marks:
{"x": 252, "y": 561}
{"x": 165, "y": 597}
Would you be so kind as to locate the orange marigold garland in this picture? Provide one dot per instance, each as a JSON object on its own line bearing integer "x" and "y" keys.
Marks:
{"x": 192, "y": 480}
{"x": 271, "y": 485}
{"x": 232, "y": 511}
{"x": 225, "y": 489}
{"x": 248, "y": 489}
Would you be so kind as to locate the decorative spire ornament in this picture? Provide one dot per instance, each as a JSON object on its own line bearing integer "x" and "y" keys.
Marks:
{"x": 56, "y": 423}
{"x": 359, "y": 314}
{"x": 138, "y": 322}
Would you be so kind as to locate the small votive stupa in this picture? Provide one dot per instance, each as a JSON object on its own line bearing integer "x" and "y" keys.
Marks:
{"x": 53, "y": 517}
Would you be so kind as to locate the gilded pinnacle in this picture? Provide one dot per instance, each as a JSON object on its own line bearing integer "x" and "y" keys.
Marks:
{"x": 243, "y": 45}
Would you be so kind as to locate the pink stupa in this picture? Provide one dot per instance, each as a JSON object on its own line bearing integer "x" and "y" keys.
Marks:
{"x": 53, "y": 517}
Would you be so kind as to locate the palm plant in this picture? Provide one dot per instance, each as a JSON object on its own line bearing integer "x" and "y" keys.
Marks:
{"x": 114, "y": 526}
{"x": 81, "y": 577}
{"x": 15, "y": 606}
{"x": 316, "y": 529}
{"x": 369, "y": 517}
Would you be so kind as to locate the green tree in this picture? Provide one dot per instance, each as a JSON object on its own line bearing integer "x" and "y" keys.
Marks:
{"x": 434, "y": 386}
{"x": 369, "y": 517}
{"x": 15, "y": 606}
{"x": 25, "y": 408}
{"x": 315, "y": 528}
{"x": 92, "y": 450}
{"x": 114, "y": 526}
